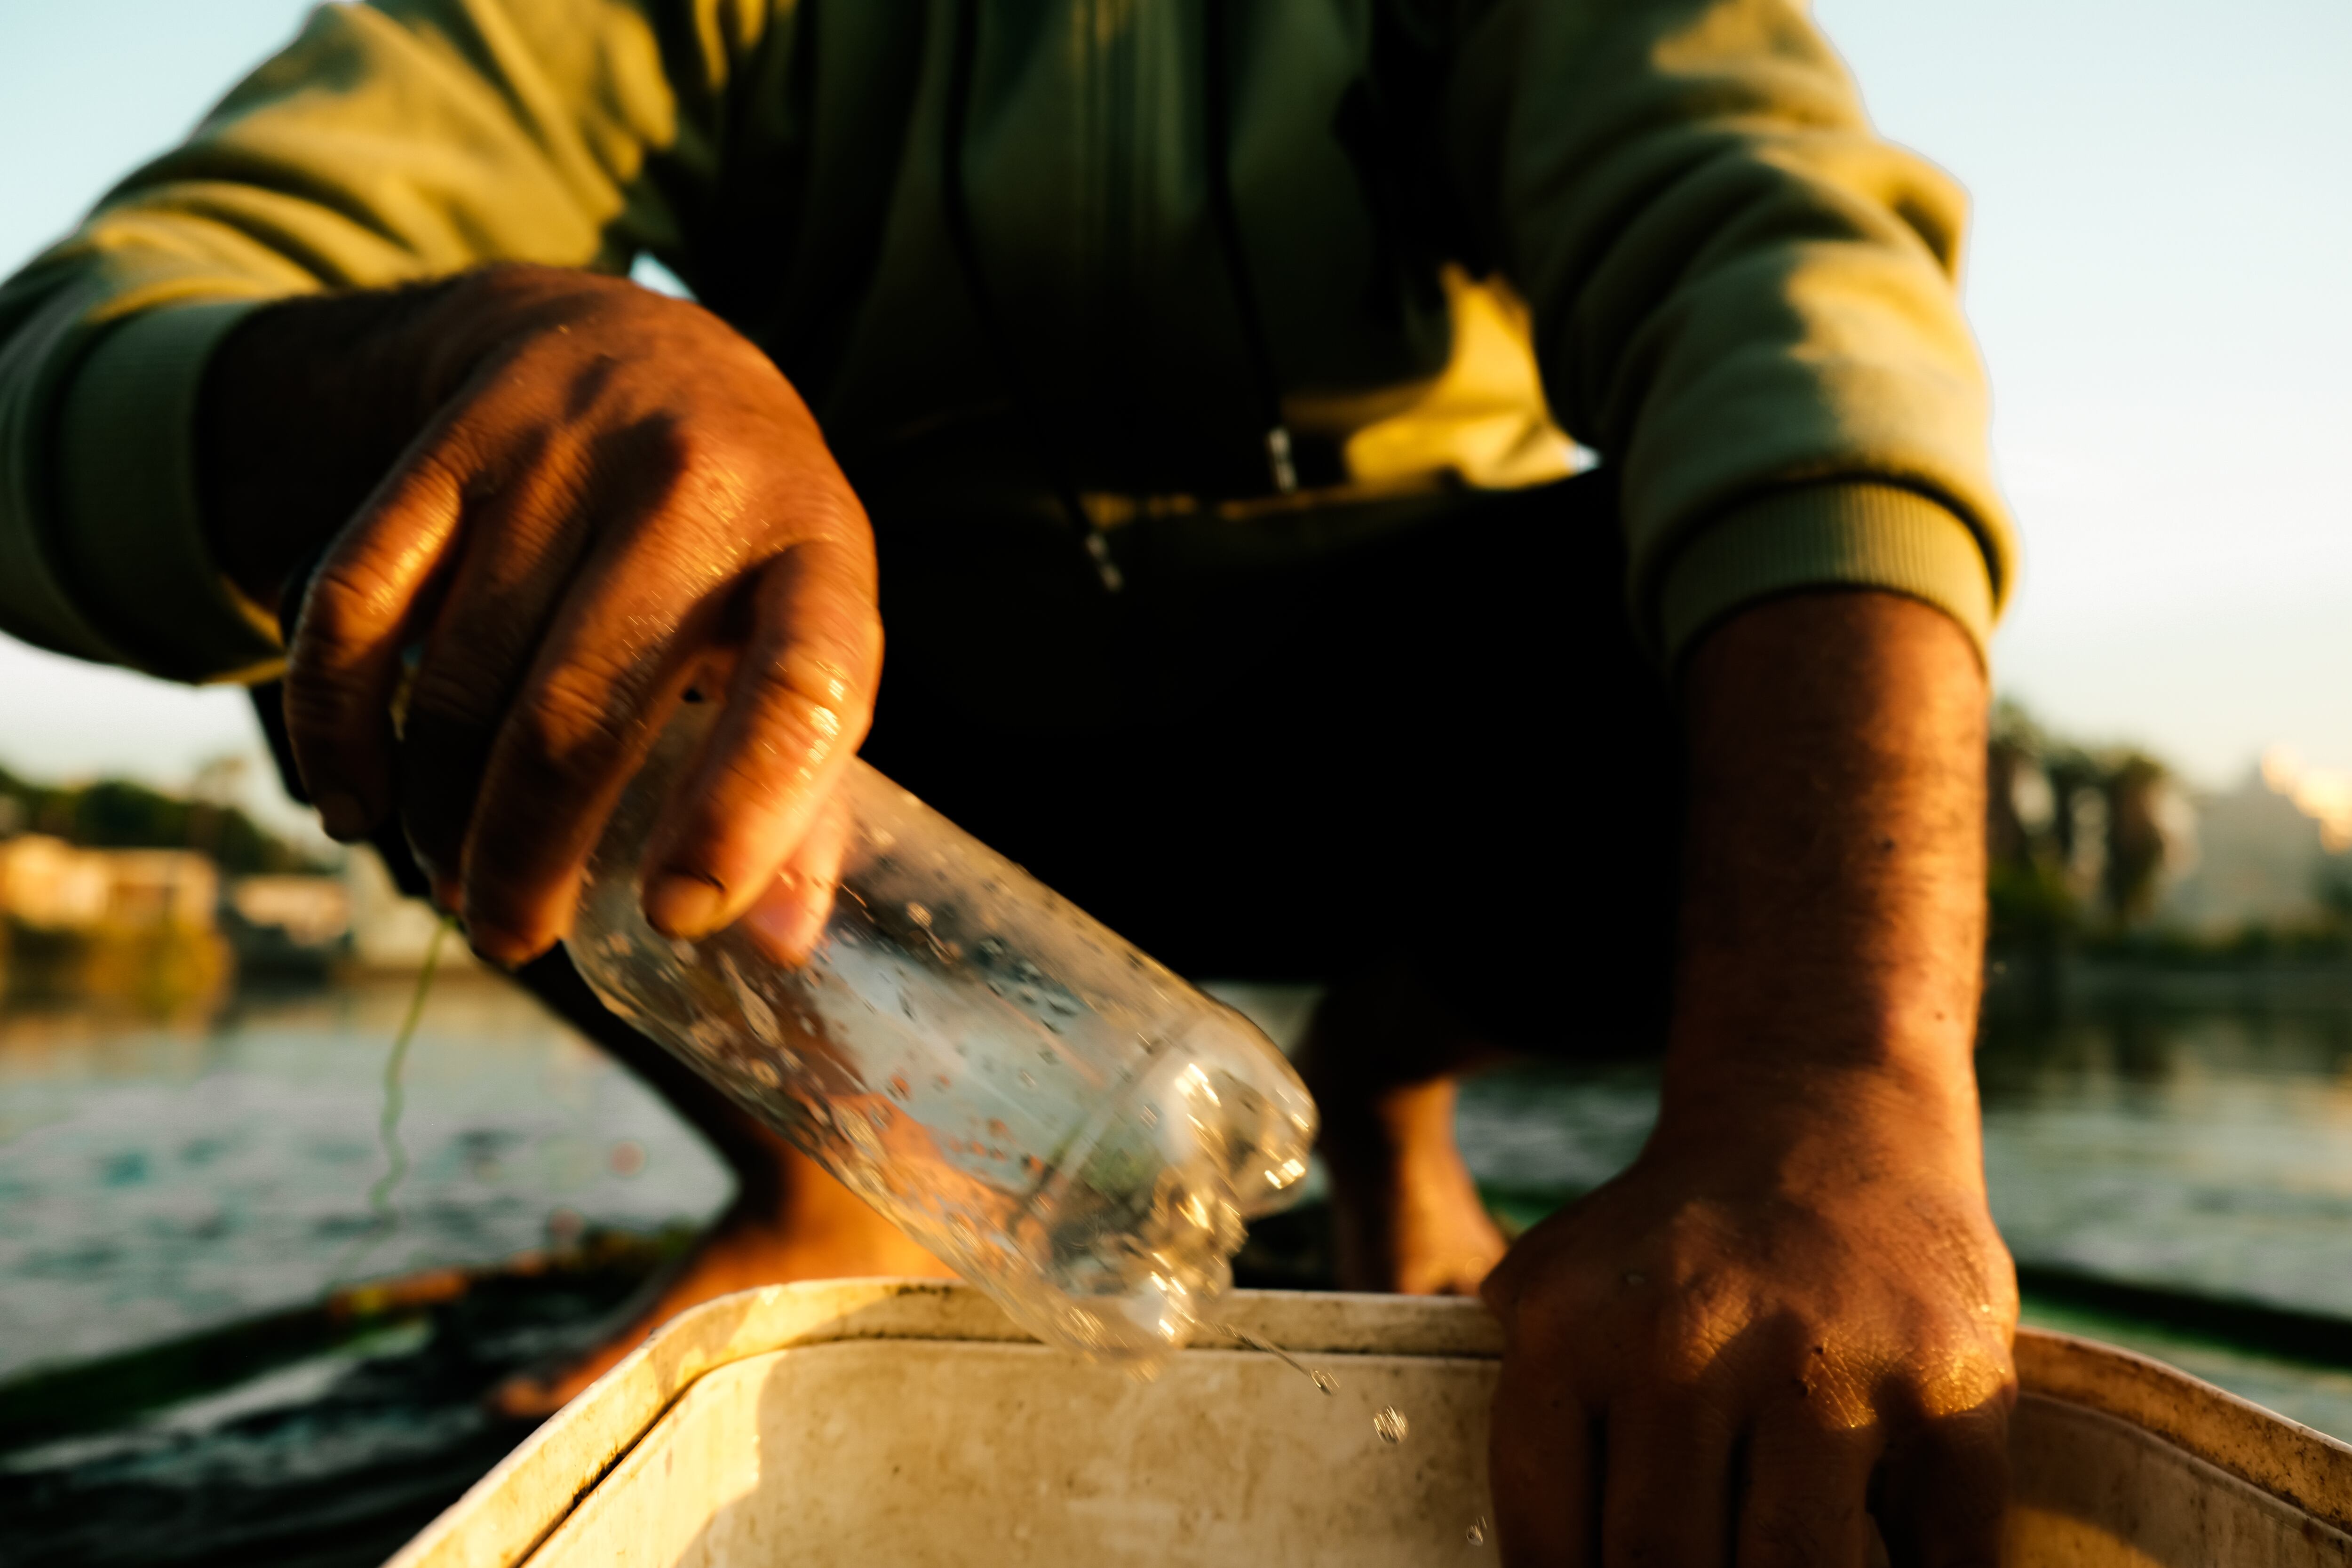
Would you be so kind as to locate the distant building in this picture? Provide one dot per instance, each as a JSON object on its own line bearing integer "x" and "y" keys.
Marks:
{"x": 152, "y": 888}
{"x": 272, "y": 923}
{"x": 312, "y": 912}
{"x": 2259, "y": 857}
{"x": 50, "y": 884}
{"x": 2324, "y": 794}
{"x": 287, "y": 926}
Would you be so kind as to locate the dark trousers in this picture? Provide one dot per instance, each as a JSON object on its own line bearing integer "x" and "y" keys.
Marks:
{"x": 1433, "y": 744}
{"x": 1438, "y": 746}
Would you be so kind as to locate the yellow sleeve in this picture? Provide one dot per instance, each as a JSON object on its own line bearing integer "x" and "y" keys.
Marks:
{"x": 1742, "y": 299}
{"x": 389, "y": 143}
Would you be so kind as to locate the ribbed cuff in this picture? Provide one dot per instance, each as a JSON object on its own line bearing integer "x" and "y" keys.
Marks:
{"x": 1849, "y": 535}
{"x": 133, "y": 542}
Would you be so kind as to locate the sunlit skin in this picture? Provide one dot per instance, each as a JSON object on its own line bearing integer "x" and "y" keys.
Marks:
{"x": 579, "y": 530}
{"x": 583, "y": 498}
{"x": 1798, "y": 1285}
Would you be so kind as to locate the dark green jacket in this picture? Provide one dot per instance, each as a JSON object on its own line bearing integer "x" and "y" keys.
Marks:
{"x": 1189, "y": 219}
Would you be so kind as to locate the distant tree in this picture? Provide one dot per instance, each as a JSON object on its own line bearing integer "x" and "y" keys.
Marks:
{"x": 2333, "y": 887}
{"x": 2135, "y": 840}
{"x": 116, "y": 813}
{"x": 2068, "y": 830}
{"x": 2012, "y": 777}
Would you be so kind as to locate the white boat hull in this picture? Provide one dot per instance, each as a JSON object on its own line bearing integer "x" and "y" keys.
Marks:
{"x": 909, "y": 1424}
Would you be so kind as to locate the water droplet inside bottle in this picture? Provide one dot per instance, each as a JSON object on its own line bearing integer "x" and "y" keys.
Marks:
{"x": 1477, "y": 1534}
{"x": 1391, "y": 1424}
{"x": 1324, "y": 1380}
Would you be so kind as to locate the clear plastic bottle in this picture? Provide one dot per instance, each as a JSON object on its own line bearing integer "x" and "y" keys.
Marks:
{"x": 1066, "y": 1123}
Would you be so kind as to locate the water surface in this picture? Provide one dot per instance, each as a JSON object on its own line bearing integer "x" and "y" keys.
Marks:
{"x": 159, "y": 1179}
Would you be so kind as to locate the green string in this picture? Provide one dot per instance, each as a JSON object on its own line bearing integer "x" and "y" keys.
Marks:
{"x": 385, "y": 1218}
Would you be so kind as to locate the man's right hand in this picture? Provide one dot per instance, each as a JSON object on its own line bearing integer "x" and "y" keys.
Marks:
{"x": 579, "y": 498}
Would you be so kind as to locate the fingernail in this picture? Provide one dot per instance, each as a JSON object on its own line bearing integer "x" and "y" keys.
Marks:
{"x": 682, "y": 904}
{"x": 343, "y": 816}
{"x": 498, "y": 956}
{"x": 500, "y": 950}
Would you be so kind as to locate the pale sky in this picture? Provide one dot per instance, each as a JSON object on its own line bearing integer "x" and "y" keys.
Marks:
{"x": 2158, "y": 271}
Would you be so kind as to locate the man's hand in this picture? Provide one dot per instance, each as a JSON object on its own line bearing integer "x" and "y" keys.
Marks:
{"x": 1712, "y": 1356}
{"x": 579, "y": 498}
{"x": 1793, "y": 1314}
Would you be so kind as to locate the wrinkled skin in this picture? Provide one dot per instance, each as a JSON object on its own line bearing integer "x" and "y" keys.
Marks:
{"x": 1790, "y": 1319}
{"x": 580, "y": 497}
{"x": 1713, "y": 1356}
{"x": 601, "y": 495}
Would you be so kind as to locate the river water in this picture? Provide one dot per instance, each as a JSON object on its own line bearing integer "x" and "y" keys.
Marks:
{"x": 155, "y": 1179}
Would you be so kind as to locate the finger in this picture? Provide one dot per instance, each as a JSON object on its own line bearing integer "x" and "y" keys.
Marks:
{"x": 1804, "y": 1502}
{"x": 797, "y": 707}
{"x": 1946, "y": 1491}
{"x": 1544, "y": 1455}
{"x": 1666, "y": 1489}
{"x": 523, "y": 545}
{"x": 612, "y": 667}
{"x": 787, "y": 919}
{"x": 356, "y": 614}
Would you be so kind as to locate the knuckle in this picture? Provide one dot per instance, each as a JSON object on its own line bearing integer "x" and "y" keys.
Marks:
{"x": 710, "y": 486}
{"x": 693, "y": 480}
{"x": 1955, "y": 1384}
{"x": 831, "y": 634}
{"x": 808, "y": 696}
{"x": 460, "y": 453}
{"x": 1690, "y": 1332}
{"x": 574, "y": 721}
{"x": 348, "y": 599}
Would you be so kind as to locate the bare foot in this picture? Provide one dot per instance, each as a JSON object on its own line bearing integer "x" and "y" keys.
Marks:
{"x": 1406, "y": 1214}
{"x": 809, "y": 1228}
{"x": 1379, "y": 1056}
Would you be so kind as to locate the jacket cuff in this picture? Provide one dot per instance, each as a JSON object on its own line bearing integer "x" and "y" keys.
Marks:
{"x": 133, "y": 540}
{"x": 1843, "y": 535}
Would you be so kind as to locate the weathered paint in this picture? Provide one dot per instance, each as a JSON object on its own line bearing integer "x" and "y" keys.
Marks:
{"x": 862, "y": 1420}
